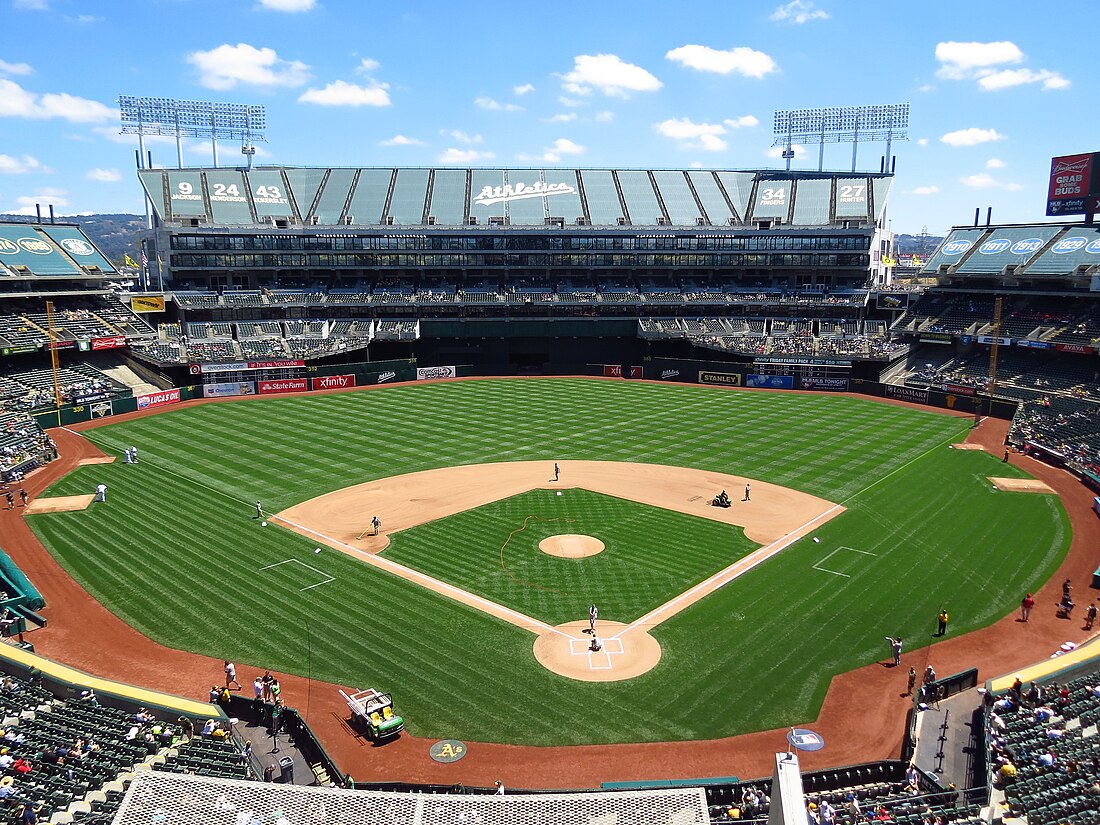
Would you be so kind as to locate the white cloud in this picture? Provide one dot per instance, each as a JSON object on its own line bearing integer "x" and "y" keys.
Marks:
{"x": 104, "y": 175}
{"x": 367, "y": 65}
{"x": 777, "y": 152}
{"x": 15, "y": 101}
{"x": 225, "y": 66}
{"x": 922, "y": 142}
{"x": 342, "y": 93}
{"x": 31, "y": 5}
{"x": 1007, "y": 78}
{"x": 56, "y": 197}
{"x": 520, "y": 91}
{"x": 742, "y": 122}
{"x": 552, "y": 154}
{"x": 981, "y": 180}
{"x": 453, "y": 155}
{"x": 10, "y": 165}
{"x": 604, "y": 116}
{"x": 959, "y": 61}
{"x": 994, "y": 163}
{"x": 971, "y": 137}
{"x": 292, "y": 6}
{"x": 696, "y": 164}
{"x": 927, "y": 87}
{"x": 401, "y": 140}
{"x": 741, "y": 60}
{"x": 461, "y": 136}
{"x": 609, "y": 74}
{"x": 15, "y": 68}
{"x": 83, "y": 19}
{"x": 490, "y": 105}
{"x": 566, "y": 117}
{"x": 705, "y": 136}
{"x": 925, "y": 190}
{"x": 798, "y": 12}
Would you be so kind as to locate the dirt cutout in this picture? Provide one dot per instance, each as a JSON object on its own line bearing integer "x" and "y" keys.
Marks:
{"x": 59, "y": 504}
{"x": 1021, "y": 485}
{"x": 615, "y": 652}
{"x": 571, "y": 546}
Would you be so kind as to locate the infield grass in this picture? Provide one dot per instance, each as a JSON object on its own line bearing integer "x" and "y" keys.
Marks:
{"x": 650, "y": 554}
{"x": 175, "y": 553}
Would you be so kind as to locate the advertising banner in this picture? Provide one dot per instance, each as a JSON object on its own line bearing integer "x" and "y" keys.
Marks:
{"x": 228, "y": 388}
{"x": 332, "y": 382}
{"x": 729, "y": 379}
{"x": 917, "y": 395}
{"x": 771, "y": 382}
{"x": 158, "y": 399}
{"x": 382, "y": 377}
{"x": 147, "y": 303}
{"x": 612, "y": 370}
{"x": 831, "y": 384}
{"x": 960, "y": 389}
{"x": 245, "y": 366}
{"x": 429, "y": 373}
{"x": 282, "y": 385}
{"x": 669, "y": 375}
{"x": 1081, "y": 348}
{"x": 110, "y": 342}
{"x": 61, "y": 345}
{"x": 17, "y": 350}
{"x": 274, "y": 365}
{"x": 1072, "y": 179}
{"x": 989, "y": 339}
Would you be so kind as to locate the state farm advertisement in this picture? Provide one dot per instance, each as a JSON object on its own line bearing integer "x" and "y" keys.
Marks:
{"x": 283, "y": 385}
{"x": 158, "y": 399}
{"x": 332, "y": 382}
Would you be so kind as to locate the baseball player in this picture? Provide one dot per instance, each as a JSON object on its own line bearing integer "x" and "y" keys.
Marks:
{"x": 376, "y": 523}
{"x": 133, "y": 454}
{"x": 259, "y": 510}
{"x": 101, "y": 492}
{"x": 593, "y": 614}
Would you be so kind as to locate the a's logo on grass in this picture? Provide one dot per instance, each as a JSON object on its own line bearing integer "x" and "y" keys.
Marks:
{"x": 447, "y": 750}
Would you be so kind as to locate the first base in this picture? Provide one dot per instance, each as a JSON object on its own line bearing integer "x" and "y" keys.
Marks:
{"x": 559, "y": 492}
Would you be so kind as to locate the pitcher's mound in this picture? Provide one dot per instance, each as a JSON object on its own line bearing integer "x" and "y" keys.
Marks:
{"x": 59, "y": 504}
{"x": 623, "y": 653}
{"x": 1021, "y": 485}
{"x": 571, "y": 546}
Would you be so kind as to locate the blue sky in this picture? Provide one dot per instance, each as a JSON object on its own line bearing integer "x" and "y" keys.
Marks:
{"x": 996, "y": 89}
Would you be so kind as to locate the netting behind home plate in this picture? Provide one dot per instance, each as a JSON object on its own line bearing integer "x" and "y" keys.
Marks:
{"x": 157, "y": 798}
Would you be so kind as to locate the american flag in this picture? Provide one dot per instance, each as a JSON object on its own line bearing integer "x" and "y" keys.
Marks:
{"x": 144, "y": 260}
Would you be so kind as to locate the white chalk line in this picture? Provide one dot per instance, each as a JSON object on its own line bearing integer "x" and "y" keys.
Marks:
{"x": 726, "y": 574}
{"x": 326, "y": 576}
{"x": 456, "y": 593}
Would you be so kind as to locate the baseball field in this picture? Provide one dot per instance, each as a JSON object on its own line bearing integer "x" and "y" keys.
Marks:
{"x": 914, "y": 525}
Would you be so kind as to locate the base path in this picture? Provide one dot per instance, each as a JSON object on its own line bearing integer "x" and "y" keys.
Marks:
{"x": 342, "y": 519}
{"x": 862, "y": 719}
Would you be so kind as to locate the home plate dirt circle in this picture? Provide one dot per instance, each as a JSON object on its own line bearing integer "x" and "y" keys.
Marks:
{"x": 625, "y": 653}
{"x": 571, "y": 546}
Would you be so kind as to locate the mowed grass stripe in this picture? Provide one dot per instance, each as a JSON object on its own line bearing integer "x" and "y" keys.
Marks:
{"x": 757, "y": 653}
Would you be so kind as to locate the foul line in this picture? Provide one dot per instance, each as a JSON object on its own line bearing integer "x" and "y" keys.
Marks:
{"x": 491, "y": 608}
{"x": 727, "y": 574}
{"x": 443, "y": 588}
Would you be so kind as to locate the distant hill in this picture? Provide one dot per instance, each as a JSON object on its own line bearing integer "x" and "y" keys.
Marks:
{"x": 918, "y": 244}
{"x": 115, "y": 235}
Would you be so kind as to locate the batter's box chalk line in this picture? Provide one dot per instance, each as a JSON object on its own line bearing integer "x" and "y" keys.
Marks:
{"x": 597, "y": 659}
{"x": 327, "y": 578}
{"x": 821, "y": 564}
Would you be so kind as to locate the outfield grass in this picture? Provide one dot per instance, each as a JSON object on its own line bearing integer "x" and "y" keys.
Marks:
{"x": 175, "y": 553}
{"x": 650, "y": 555}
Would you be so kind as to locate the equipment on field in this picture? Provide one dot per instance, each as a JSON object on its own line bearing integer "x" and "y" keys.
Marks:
{"x": 374, "y": 711}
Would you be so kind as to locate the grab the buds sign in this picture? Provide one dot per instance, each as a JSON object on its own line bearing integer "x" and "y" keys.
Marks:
{"x": 1074, "y": 184}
